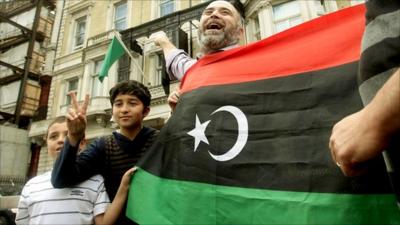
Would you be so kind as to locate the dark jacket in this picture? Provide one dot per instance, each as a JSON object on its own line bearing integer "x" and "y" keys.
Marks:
{"x": 109, "y": 156}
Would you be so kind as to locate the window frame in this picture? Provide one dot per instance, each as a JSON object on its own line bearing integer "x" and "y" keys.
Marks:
{"x": 123, "y": 19}
{"x": 78, "y": 21}
{"x": 95, "y": 82}
{"x": 155, "y": 74}
{"x": 320, "y": 9}
{"x": 256, "y": 33}
{"x": 288, "y": 18}
{"x": 163, "y": 3}
{"x": 68, "y": 89}
{"x": 158, "y": 69}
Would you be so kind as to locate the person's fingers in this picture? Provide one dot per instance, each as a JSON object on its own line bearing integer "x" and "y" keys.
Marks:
{"x": 173, "y": 100}
{"x": 348, "y": 170}
{"x": 74, "y": 101}
{"x": 81, "y": 118}
{"x": 352, "y": 170}
{"x": 69, "y": 117}
{"x": 85, "y": 104}
{"x": 332, "y": 148}
{"x": 72, "y": 113}
{"x": 130, "y": 172}
{"x": 157, "y": 35}
{"x": 176, "y": 95}
{"x": 153, "y": 36}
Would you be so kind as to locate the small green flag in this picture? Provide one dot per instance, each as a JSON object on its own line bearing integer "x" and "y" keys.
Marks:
{"x": 114, "y": 52}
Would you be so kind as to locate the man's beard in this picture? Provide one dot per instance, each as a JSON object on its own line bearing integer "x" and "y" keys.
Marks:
{"x": 213, "y": 41}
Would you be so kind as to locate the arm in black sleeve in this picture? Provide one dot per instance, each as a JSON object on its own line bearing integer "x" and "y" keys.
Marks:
{"x": 70, "y": 168}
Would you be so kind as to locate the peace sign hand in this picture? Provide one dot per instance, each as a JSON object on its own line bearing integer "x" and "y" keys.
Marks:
{"x": 76, "y": 119}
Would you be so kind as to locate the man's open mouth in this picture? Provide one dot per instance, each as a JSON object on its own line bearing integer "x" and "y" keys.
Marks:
{"x": 214, "y": 26}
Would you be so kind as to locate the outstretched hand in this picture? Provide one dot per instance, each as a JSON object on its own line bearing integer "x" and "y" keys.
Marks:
{"x": 76, "y": 119}
{"x": 159, "y": 38}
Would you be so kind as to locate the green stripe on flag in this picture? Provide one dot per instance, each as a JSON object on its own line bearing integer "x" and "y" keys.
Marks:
{"x": 149, "y": 202}
{"x": 115, "y": 51}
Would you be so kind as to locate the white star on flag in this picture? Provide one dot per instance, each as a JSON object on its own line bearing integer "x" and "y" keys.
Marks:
{"x": 198, "y": 132}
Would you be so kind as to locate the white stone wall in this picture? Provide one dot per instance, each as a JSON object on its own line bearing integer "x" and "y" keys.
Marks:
{"x": 14, "y": 151}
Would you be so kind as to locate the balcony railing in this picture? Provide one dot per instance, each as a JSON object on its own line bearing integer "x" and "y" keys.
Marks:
{"x": 100, "y": 38}
{"x": 11, "y": 6}
{"x": 14, "y": 7}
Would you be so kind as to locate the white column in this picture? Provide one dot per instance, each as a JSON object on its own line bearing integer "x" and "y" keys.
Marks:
{"x": 106, "y": 86}
{"x": 265, "y": 18}
{"x": 312, "y": 10}
{"x": 356, "y": 2}
{"x": 86, "y": 80}
{"x": 109, "y": 14}
{"x": 305, "y": 10}
{"x": 129, "y": 13}
{"x": 331, "y": 6}
{"x": 135, "y": 73}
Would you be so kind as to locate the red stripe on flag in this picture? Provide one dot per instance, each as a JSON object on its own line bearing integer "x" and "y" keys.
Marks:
{"x": 325, "y": 42}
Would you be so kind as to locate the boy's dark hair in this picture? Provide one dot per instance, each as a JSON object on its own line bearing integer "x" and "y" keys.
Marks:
{"x": 131, "y": 87}
{"x": 60, "y": 119}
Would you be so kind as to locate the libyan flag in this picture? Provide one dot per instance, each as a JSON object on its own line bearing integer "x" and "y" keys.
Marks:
{"x": 248, "y": 142}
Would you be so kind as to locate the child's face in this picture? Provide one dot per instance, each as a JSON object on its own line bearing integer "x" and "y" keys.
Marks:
{"x": 128, "y": 111}
{"x": 55, "y": 138}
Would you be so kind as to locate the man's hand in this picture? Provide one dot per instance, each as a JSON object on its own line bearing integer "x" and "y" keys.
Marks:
{"x": 355, "y": 140}
{"x": 76, "y": 119}
{"x": 173, "y": 99}
{"x": 160, "y": 38}
{"x": 126, "y": 179}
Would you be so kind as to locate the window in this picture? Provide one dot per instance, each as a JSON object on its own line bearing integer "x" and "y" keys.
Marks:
{"x": 319, "y": 7}
{"x": 286, "y": 15}
{"x": 79, "y": 34}
{"x": 159, "y": 62}
{"x": 166, "y": 7}
{"x": 120, "y": 17}
{"x": 96, "y": 84}
{"x": 72, "y": 85}
{"x": 256, "y": 28}
{"x": 124, "y": 68}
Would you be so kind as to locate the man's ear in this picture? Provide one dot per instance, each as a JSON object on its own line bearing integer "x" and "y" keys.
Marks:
{"x": 146, "y": 111}
{"x": 241, "y": 33}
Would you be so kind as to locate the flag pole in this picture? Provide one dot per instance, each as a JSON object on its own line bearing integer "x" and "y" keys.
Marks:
{"x": 117, "y": 35}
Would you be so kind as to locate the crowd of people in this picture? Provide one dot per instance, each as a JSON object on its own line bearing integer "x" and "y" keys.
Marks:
{"x": 89, "y": 183}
